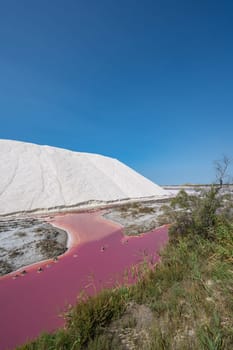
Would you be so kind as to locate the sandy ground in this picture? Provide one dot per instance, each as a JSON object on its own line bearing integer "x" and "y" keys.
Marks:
{"x": 136, "y": 218}
{"x": 24, "y": 241}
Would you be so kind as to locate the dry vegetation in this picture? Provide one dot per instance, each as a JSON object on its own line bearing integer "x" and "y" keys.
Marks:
{"x": 50, "y": 248}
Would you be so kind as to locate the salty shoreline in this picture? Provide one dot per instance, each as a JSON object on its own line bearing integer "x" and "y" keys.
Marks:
{"x": 28, "y": 240}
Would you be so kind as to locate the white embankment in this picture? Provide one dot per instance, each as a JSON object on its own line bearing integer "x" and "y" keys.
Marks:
{"x": 38, "y": 178}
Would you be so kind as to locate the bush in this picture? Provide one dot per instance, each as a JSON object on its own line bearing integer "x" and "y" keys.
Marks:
{"x": 196, "y": 215}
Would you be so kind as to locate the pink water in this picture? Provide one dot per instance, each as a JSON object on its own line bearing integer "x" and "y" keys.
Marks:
{"x": 98, "y": 257}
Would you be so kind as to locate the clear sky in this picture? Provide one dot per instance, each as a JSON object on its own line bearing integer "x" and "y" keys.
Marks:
{"x": 147, "y": 82}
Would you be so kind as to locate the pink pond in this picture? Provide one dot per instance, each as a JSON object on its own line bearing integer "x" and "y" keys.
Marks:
{"x": 98, "y": 256}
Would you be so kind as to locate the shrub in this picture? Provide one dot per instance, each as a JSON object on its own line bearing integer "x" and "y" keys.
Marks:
{"x": 196, "y": 215}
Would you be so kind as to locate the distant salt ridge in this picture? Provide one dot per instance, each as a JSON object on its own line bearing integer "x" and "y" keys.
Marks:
{"x": 35, "y": 177}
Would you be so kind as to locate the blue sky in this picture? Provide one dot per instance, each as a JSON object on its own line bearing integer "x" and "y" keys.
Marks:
{"x": 147, "y": 82}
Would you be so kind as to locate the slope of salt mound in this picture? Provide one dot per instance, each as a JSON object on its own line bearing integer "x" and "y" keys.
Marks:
{"x": 41, "y": 177}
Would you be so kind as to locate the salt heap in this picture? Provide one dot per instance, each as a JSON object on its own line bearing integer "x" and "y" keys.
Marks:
{"x": 36, "y": 178}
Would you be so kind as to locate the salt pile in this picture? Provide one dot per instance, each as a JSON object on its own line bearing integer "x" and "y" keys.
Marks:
{"x": 36, "y": 178}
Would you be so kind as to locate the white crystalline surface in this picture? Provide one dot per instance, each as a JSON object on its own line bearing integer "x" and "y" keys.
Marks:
{"x": 34, "y": 177}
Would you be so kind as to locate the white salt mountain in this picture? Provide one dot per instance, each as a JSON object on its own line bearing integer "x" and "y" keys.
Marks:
{"x": 34, "y": 177}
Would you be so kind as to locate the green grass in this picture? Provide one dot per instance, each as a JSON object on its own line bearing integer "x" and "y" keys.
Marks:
{"x": 189, "y": 296}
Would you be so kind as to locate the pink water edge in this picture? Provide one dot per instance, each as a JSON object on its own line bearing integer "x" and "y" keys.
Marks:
{"x": 99, "y": 254}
